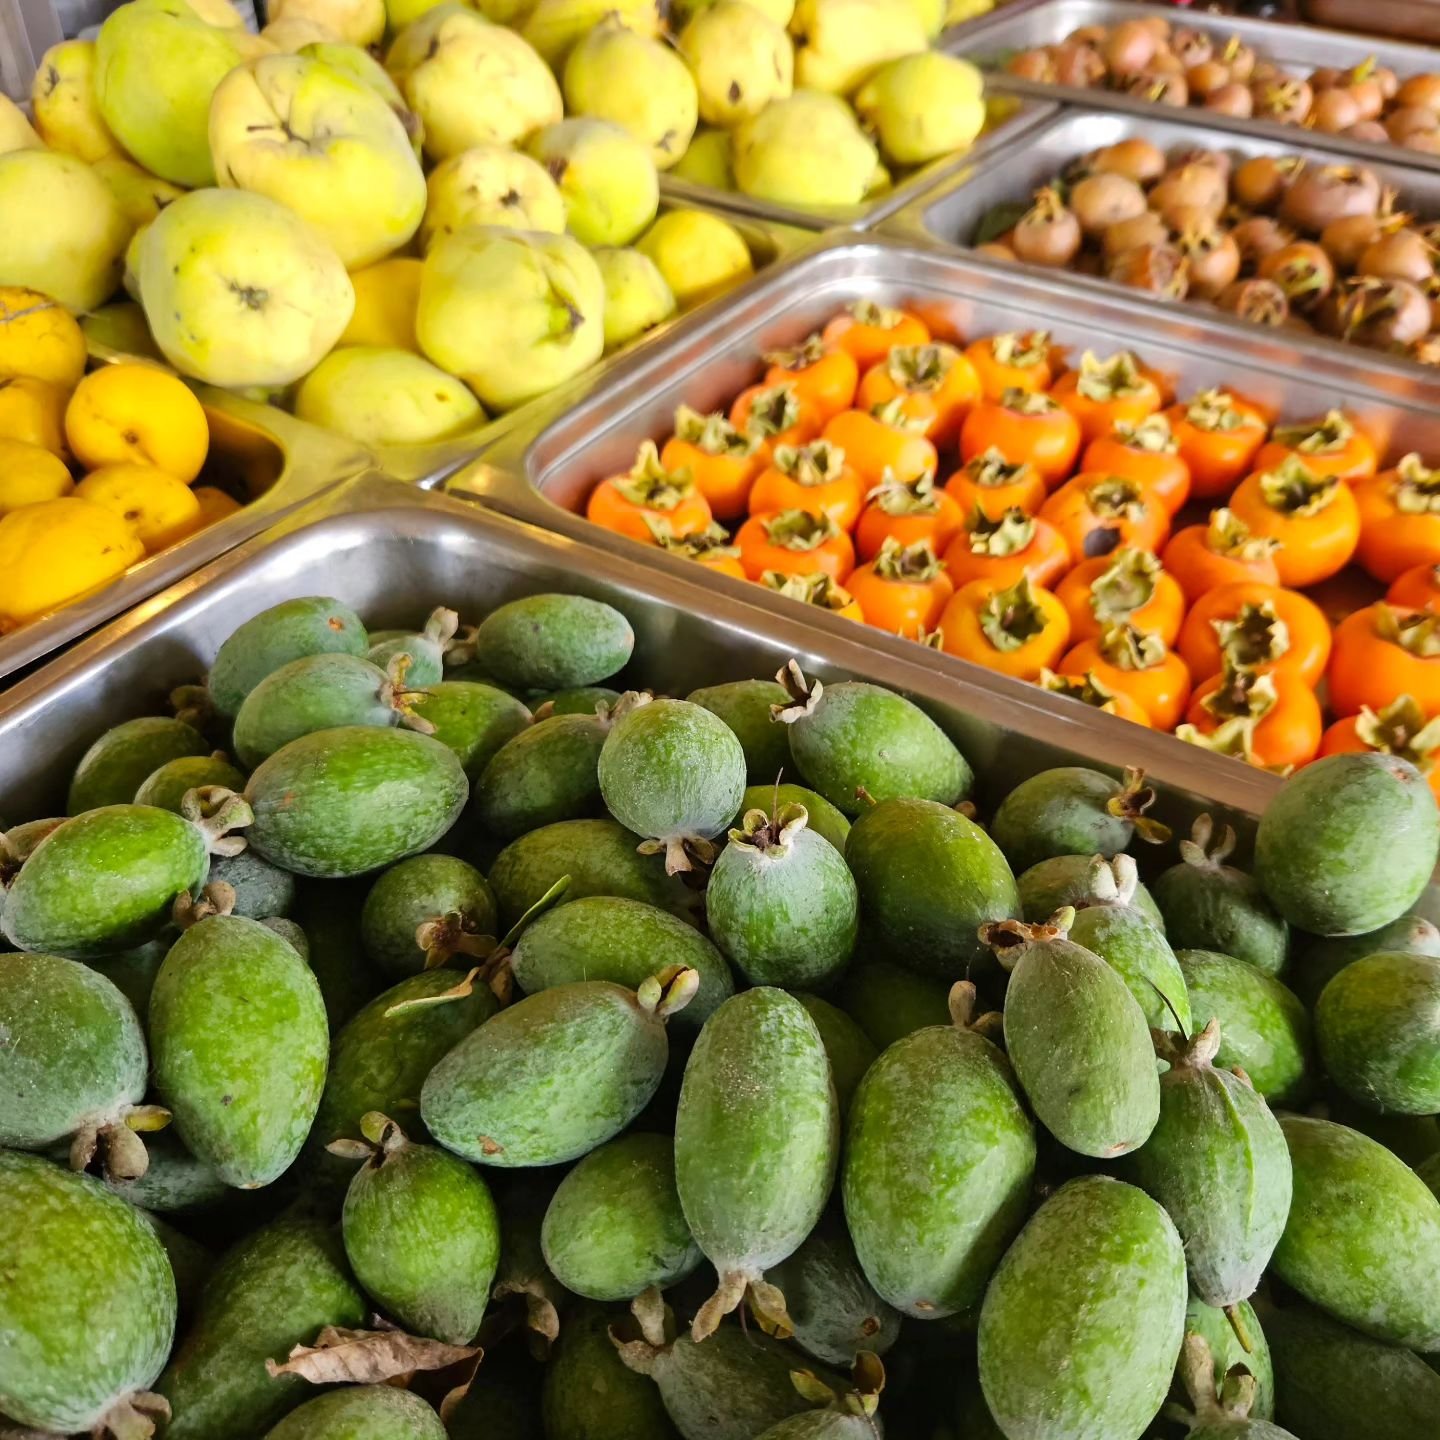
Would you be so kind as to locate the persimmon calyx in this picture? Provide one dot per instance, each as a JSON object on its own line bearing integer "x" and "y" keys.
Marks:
{"x": 1417, "y": 632}
{"x": 872, "y": 313}
{"x": 798, "y": 357}
{"x": 1128, "y": 648}
{"x": 921, "y": 368}
{"x": 1254, "y": 635}
{"x": 991, "y": 470}
{"x": 711, "y": 541}
{"x": 1011, "y": 534}
{"x": 1127, "y": 585}
{"x": 1011, "y": 618}
{"x": 1088, "y": 688}
{"x": 773, "y": 412}
{"x": 1401, "y": 729}
{"x": 1293, "y": 488}
{"x": 819, "y": 463}
{"x": 1228, "y": 536}
{"x": 915, "y": 564}
{"x": 1027, "y": 402}
{"x": 1109, "y": 378}
{"x": 713, "y": 434}
{"x": 1316, "y": 437}
{"x": 1115, "y": 498}
{"x": 1215, "y": 412}
{"x": 816, "y": 589}
{"x": 650, "y": 485}
{"x": 1416, "y": 490}
{"x": 1152, "y": 435}
{"x": 799, "y": 530}
{"x": 1021, "y": 349}
{"x": 892, "y": 412}
{"x": 905, "y": 497}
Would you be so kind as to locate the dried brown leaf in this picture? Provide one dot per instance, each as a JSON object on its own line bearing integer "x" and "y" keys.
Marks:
{"x": 367, "y": 1357}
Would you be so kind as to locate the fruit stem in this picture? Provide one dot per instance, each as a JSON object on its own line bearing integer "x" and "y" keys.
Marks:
{"x": 668, "y": 992}
{"x": 215, "y": 811}
{"x": 217, "y": 898}
{"x": 1009, "y": 939}
{"x": 804, "y": 694}
{"x": 727, "y": 1297}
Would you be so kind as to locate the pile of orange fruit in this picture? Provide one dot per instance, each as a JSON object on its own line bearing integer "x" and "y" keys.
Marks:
{"x": 995, "y": 502}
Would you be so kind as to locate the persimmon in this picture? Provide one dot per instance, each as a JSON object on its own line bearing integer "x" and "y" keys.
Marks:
{"x": 1383, "y": 651}
{"x": 903, "y": 589}
{"x": 1269, "y": 720}
{"x": 1019, "y": 630}
{"x": 1417, "y": 589}
{"x": 1264, "y": 627}
{"x": 817, "y": 589}
{"x": 712, "y": 548}
{"x": 1399, "y": 519}
{"x": 1101, "y": 393}
{"x": 908, "y": 512}
{"x": 878, "y": 451}
{"x": 722, "y": 461}
{"x": 1005, "y": 549}
{"x": 1025, "y": 428}
{"x": 934, "y": 383}
{"x": 1218, "y": 436}
{"x": 1089, "y": 689}
{"x": 1314, "y": 517}
{"x": 795, "y": 542}
{"x": 775, "y": 415}
{"x": 1146, "y": 452}
{"x": 646, "y": 493}
{"x": 1401, "y": 729}
{"x": 1098, "y": 513}
{"x": 869, "y": 332}
{"x": 824, "y": 376}
{"x": 1330, "y": 445}
{"x": 1204, "y": 557}
{"x": 810, "y": 477}
{"x": 1015, "y": 360}
{"x": 1131, "y": 662}
{"x": 988, "y": 482}
{"x": 1129, "y": 586}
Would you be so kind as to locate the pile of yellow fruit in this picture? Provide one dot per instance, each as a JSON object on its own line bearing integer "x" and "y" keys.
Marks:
{"x": 137, "y": 436}
{"x": 396, "y": 246}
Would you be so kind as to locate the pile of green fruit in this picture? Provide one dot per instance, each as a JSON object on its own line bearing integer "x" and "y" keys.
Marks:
{"x": 469, "y": 1048}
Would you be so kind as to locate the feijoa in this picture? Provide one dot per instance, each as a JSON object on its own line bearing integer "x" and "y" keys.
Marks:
{"x": 588, "y": 1393}
{"x": 578, "y": 699}
{"x": 1062, "y": 880}
{"x": 825, "y": 820}
{"x": 168, "y": 785}
{"x": 123, "y": 758}
{"x": 544, "y": 774}
{"x": 888, "y": 1002}
{"x": 746, "y": 706}
{"x": 850, "y": 1050}
{"x": 424, "y": 649}
{"x": 553, "y": 642}
{"x": 262, "y": 890}
{"x": 472, "y": 718}
{"x": 361, "y": 1412}
{"x": 424, "y": 910}
{"x": 1322, "y": 960}
{"x": 174, "y": 1180}
{"x": 1221, "y": 1330}
{"x": 1228, "y": 1414}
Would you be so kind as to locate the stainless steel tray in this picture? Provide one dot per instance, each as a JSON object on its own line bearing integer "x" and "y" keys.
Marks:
{"x": 1415, "y": 20}
{"x": 256, "y": 451}
{"x": 1298, "y": 47}
{"x": 394, "y": 552}
{"x": 951, "y": 212}
{"x": 1011, "y": 116}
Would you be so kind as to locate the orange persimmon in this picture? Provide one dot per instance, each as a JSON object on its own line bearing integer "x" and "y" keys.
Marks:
{"x": 824, "y": 376}
{"x": 1330, "y": 445}
{"x": 1129, "y": 586}
{"x": 1383, "y": 651}
{"x": 1098, "y": 513}
{"x": 878, "y": 451}
{"x": 1218, "y": 436}
{"x": 649, "y": 493}
{"x": 1401, "y": 729}
{"x": 775, "y": 415}
{"x": 1019, "y": 630}
{"x": 1005, "y": 549}
{"x": 1270, "y": 720}
{"x": 816, "y": 589}
{"x": 1025, "y": 428}
{"x": 988, "y": 482}
{"x": 934, "y": 383}
{"x": 1101, "y": 393}
{"x": 810, "y": 477}
{"x": 1204, "y": 557}
{"x": 1015, "y": 360}
{"x": 722, "y": 461}
{"x": 1130, "y": 662}
{"x": 1089, "y": 689}
{"x": 1314, "y": 517}
{"x": 907, "y": 512}
{"x": 1399, "y": 519}
{"x": 870, "y": 332}
{"x": 710, "y": 548}
{"x": 795, "y": 542}
{"x": 903, "y": 589}
{"x": 1146, "y": 452}
{"x": 1263, "y": 627}
{"x": 1417, "y": 589}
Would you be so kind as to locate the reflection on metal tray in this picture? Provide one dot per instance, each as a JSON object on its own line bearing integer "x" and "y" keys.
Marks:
{"x": 988, "y": 40}
{"x": 393, "y": 553}
{"x": 1010, "y": 116}
{"x": 950, "y": 214}
{"x": 266, "y": 459}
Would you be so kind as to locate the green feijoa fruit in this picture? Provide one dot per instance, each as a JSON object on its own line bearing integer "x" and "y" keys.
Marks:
{"x": 120, "y": 761}
{"x": 72, "y": 1062}
{"x": 825, "y": 820}
{"x": 1348, "y": 844}
{"x": 472, "y": 718}
{"x": 421, "y": 1233}
{"x": 939, "y": 1160}
{"x": 1084, "y": 1318}
{"x": 754, "y": 1157}
{"x": 174, "y": 1181}
{"x": 588, "y": 1392}
{"x": 434, "y": 898}
{"x": 1113, "y": 927}
{"x": 556, "y": 1075}
{"x": 329, "y": 913}
{"x": 190, "y": 1263}
{"x": 599, "y": 857}
{"x": 928, "y": 878}
{"x": 424, "y": 650}
{"x": 1363, "y": 1237}
{"x": 262, "y": 890}
{"x": 852, "y": 740}
{"x": 361, "y": 1412}
{"x": 781, "y": 902}
{"x": 1218, "y": 1163}
{"x": 1263, "y": 1028}
{"x": 546, "y": 773}
{"x": 1221, "y": 1330}
{"x": 606, "y": 937}
{"x": 850, "y": 1050}
{"x": 833, "y": 1310}
{"x": 169, "y": 784}
{"x": 672, "y": 772}
{"x": 16, "y": 846}
{"x": 1209, "y": 905}
{"x": 133, "y": 972}
{"x": 577, "y": 700}
{"x": 346, "y": 801}
{"x": 1413, "y": 1138}
{"x": 87, "y": 1302}
{"x": 278, "y": 1288}
{"x": 553, "y": 642}
{"x": 1320, "y": 962}
{"x": 524, "y": 1197}
{"x": 1051, "y": 885}
{"x": 747, "y": 706}
{"x": 1074, "y": 811}
{"x": 311, "y": 625}
{"x": 1377, "y": 1027}
{"x": 105, "y": 881}
{"x": 1332, "y": 1382}
{"x": 614, "y": 1226}
{"x": 1077, "y": 1039}
{"x": 239, "y": 1043}
{"x": 827, "y": 1424}
{"x": 888, "y": 1002}
{"x": 1230, "y": 1413}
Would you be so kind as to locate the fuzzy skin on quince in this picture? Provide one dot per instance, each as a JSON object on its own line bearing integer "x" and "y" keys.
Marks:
{"x": 386, "y": 296}
{"x": 923, "y": 106}
{"x": 62, "y": 99}
{"x": 239, "y": 290}
{"x": 553, "y": 27}
{"x": 323, "y": 144}
{"x": 841, "y": 43}
{"x": 699, "y": 254}
{"x": 142, "y": 196}
{"x": 682, "y": 12}
{"x": 805, "y": 150}
{"x": 293, "y": 34}
{"x": 359, "y": 64}
{"x": 637, "y": 298}
{"x": 471, "y": 82}
{"x": 707, "y": 161}
{"x": 489, "y": 185}
{"x": 930, "y": 14}
{"x": 514, "y": 313}
{"x": 741, "y": 61}
{"x": 16, "y": 132}
{"x": 356, "y": 22}
{"x": 606, "y": 176}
